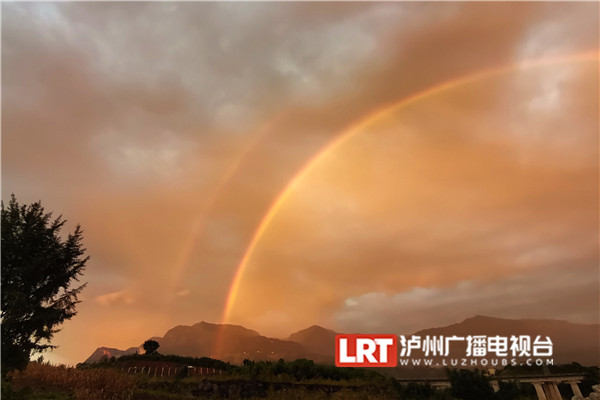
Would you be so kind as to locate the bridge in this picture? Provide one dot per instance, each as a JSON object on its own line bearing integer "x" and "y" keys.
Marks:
{"x": 546, "y": 386}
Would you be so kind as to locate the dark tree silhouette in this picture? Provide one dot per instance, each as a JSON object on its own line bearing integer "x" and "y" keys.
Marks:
{"x": 38, "y": 273}
{"x": 470, "y": 385}
{"x": 150, "y": 346}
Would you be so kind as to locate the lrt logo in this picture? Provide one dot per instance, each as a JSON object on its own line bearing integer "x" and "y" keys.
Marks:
{"x": 366, "y": 350}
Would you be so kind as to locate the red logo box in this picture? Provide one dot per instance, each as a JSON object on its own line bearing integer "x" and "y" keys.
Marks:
{"x": 366, "y": 350}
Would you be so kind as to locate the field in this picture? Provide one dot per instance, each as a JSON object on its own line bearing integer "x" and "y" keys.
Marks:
{"x": 40, "y": 381}
{"x": 204, "y": 378}
{"x": 109, "y": 382}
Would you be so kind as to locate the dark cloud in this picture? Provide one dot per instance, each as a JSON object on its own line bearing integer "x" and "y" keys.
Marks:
{"x": 168, "y": 129}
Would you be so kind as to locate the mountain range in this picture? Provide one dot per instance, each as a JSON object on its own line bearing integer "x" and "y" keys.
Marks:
{"x": 571, "y": 342}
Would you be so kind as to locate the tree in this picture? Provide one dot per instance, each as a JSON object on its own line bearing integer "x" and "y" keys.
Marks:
{"x": 150, "y": 346}
{"x": 470, "y": 385}
{"x": 39, "y": 271}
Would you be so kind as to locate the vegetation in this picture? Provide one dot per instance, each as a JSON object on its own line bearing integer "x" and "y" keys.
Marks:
{"x": 38, "y": 271}
{"x": 416, "y": 391}
{"x": 300, "y": 379}
{"x": 150, "y": 346}
{"x": 205, "y": 362}
{"x": 470, "y": 385}
{"x": 43, "y": 381}
{"x": 474, "y": 384}
{"x": 303, "y": 370}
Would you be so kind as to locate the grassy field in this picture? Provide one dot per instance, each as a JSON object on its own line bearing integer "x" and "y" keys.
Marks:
{"x": 295, "y": 380}
{"x": 39, "y": 380}
{"x": 44, "y": 381}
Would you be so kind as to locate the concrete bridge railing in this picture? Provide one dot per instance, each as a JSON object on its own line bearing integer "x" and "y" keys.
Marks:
{"x": 546, "y": 386}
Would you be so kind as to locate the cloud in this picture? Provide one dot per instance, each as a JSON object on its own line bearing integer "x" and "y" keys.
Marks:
{"x": 121, "y": 297}
{"x": 433, "y": 195}
{"x": 567, "y": 295}
{"x": 168, "y": 129}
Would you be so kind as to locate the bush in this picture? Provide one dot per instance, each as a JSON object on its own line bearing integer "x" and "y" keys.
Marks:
{"x": 470, "y": 385}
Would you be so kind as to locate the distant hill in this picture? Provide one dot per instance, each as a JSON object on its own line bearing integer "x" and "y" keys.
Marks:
{"x": 236, "y": 343}
{"x": 572, "y": 342}
{"x": 317, "y": 340}
{"x": 108, "y": 352}
{"x": 231, "y": 343}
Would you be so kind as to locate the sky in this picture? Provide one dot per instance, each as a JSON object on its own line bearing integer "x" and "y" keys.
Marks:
{"x": 368, "y": 167}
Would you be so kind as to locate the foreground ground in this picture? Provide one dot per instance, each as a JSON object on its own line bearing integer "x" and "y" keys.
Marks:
{"x": 297, "y": 380}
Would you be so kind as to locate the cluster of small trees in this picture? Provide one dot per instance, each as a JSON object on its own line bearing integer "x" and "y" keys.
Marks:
{"x": 205, "y": 362}
{"x": 303, "y": 369}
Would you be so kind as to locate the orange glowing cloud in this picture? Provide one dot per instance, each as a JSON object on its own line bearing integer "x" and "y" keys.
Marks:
{"x": 285, "y": 164}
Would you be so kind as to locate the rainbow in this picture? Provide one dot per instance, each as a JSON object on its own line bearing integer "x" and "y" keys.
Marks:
{"x": 359, "y": 125}
{"x": 198, "y": 226}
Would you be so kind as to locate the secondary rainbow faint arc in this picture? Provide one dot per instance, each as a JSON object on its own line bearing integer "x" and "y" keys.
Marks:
{"x": 197, "y": 228}
{"x": 365, "y": 121}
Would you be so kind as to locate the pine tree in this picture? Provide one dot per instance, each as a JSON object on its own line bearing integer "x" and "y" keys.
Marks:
{"x": 39, "y": 274}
